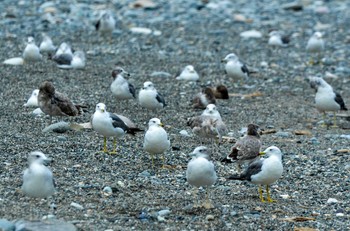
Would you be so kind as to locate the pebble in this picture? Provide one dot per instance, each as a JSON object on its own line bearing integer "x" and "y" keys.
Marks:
{"x": 332, "y": 201}
{"x": 251, "y": 34}
{"x": 209, "y": 217}
{"x": 141, "y": 30}
{"x": 37, "y": 112}
{"x": 61, "y": 138}
{"x": 234, "y": 213}
{"x": 107, "y": 190}
{"x": 161, "y": 74}
{"x": 339, "y": 214}
{"x": 164, "y": 212}
{"x": 76, "y": 205}
{"x": 184, "y": 133}
{"x": 6, "y": 225}
{"x": 59, "y": 127}
{"x": 145, "y": 174}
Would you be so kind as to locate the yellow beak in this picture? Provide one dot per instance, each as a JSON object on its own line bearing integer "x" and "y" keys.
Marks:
{"x": 161, "y": 124}
{"x": 262, "y": 153}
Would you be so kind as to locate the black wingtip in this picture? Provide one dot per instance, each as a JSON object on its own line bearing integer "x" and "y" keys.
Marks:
{"x": 234, "y": 177}
{"x": 132, "y": 131}
{"x": 227, "y": 160}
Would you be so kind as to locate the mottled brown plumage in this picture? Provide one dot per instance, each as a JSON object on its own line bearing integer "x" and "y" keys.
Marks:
{"x": 202, "y": 99}
{"x": 247, "y": 148}
{"x": 220, "y": 92}
{"x": 54, "y": 103}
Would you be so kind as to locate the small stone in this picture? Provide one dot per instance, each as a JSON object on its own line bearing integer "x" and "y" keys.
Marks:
{"x": 162, "y": 74}
{"x": 62, "y": 138}
{"x": 332, "y": 201}
{"x": 209, "y": 217}
{"x": 234, "y": 213}
{"x": 121, "y": 184}
{"x": 285, "y": 196}
{"x": 140, "y": 30}
{"x": 107, "y": 191}
{"x": 164, "y": 212}
{"x": 160, "y": 218}
{"x": 339, "y": 214}
{"x": 184, "y": 133}
{"x": 6, "y": 225}
{"x": 145, "y": 174}
{"x": 251, "y": 34}
{"x": 37, "y": 112}
{"x": 76, "y": 205}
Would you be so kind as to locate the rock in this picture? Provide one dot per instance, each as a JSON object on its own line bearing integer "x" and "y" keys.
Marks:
{"x": 107, "y": 191}
{"x": 332, "y": 201}
{"x": 161, "y": 74}
{"x": 251, "y": 34}
{"x": 160, "y": 218}
{"x": 60, "y": 127}
{"x": 209, "y": 217}
{"x": 234, "y": 213}
{"x": 6, "y": 225}
{"x": 37, "y": 112}
{"x": 339, "y": 214}
{"x": 294, "y": 6}
{"x": 145, "y": 174}
{"x": 184, "y": 133}
{"x": 164, "y": 212}
{"x": 47, "y": 225}
{"x": 76, "y": 205}
{"x": 141, "y": 30}
{"x": 61, "y": 138}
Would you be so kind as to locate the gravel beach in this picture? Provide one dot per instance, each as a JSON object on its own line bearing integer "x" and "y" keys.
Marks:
{"x": 314, "y": 191}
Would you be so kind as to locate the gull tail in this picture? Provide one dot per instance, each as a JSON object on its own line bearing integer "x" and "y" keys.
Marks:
{"x": 232, "y": 157}
{"x": 133, "y": 131}
{"x": 237, "y": 177}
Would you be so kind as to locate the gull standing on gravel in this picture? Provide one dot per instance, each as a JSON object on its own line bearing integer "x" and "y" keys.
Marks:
{"x": 30, "y": 54}
{"x": 263, "y": 171}
{"x": 326, "y": 99}
{"x": 149, "y": 97}
{"x": 46, "y": 46}
{"x": 38, "y": 179}
{"x": 106, "y": 24}
{"x": 246, "y": 149}
{"x": 201, "y": 173}
{"x": 110, "y": 125}
{"x": 54, "y": 103}
{"x": 203, "y": 98}
{"x": 189, "y": 74}
{"x": 77, "y": 61}
{"x": 156, "y": 139}
{"x": 120, "y": 87}
{"x": 315, "y": 45}
{"x": 234, "y": 68}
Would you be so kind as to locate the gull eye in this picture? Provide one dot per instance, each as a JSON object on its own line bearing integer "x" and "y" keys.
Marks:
{"x": 37, "y": 156}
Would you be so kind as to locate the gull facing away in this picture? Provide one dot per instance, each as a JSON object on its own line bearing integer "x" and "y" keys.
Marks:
{"x": 326, "y": 99}
{"x": 120, "y": 87}
{"x": 37, "y": 178}
{"x": 189, "y": 74}
{"x": 156, "y": 139}
{"x": 203, "y": 98}
{"x": 106, "y": 24}
{"x": 110, "y": 125}
{"x": 246, "y": 149}
{"x": 54, "y": 103}
{"x": 201, "y": 173}
{"x": 234, "y": 68}
{"x": 150, "y": 98}
{"x": 315, "y": 45}
{"x": 263, "y": 171}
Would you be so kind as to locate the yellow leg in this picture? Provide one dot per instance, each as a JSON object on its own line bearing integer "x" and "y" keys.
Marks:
{"x": 152, "y": 160}
{"x": 196, "y": 198}
{"x": 334, "y": 121}
{"x": 324, "y": 120}
{"x": 207, "y": 204}
{"x": 105, "y": 145}
{"x": 268, "y": 195}
{"x": 114, "y": 146}
{"x": 261, "y": 194}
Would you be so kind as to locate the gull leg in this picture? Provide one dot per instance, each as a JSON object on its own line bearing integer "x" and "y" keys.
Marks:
{"x": 239, "y": 168}
{"x": 323, "y": 125}
{"x": 163, "y": 158}
{"x": 114, "y": 146}
{"x": 105, "y": 144}
{"x": 207, "y": 204}
{"x": 268, "y": 195}
{"x": 196, "y": 198}
{"x": 152, "y": 160}
{"x": 261, "y": 194}
{"x": 334, "y": 121}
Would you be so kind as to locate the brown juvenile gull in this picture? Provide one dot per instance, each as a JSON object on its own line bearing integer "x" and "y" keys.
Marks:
{"x": 54, "y": 103}
{"x": 201, "y": 173}
{"x": 202, "y": 99}
{"x": 263, "y": 171}
{"x": 246, "y": 149}
{"x": 220, "y": 92}
{"x": 326, "y": 99}
{"x": 110, "y": 125}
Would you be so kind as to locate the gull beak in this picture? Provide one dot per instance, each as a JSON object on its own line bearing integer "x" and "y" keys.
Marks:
{"x": 47, "y": 161}
{"x": 161, "y": 124}
{"x": 262, "y": 153}
{"x": 126, "y": 73}
{"x": 223, "y": 60}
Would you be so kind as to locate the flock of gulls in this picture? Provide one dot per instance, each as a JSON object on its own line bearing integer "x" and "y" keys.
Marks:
{"x": 262, "y": 168}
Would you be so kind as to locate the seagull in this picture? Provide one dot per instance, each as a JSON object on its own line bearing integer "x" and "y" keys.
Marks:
{"x": 326, "y": 99}
{"x": 247, "y": 148}
{"x": 54, "y": 103}
{"x": 33, "y": 99}
{"x": 235, "y": 68}
{"x": 106, "y": 24}
{"x": 189, "y": 74}
{"x": 120, "y": 87}
{"x": 38, "y": 179}
{"x": 109, "y": 124}
{"x": 31, "y": 53}
{"x": 156, "y": 139}
{"x": 209, "y": 124}
{"x": 220, "y": 92}
{"x": 205, "y": 97}
{"x": 315, "y": 45}
{"x": 77, "y": 61}
{"x": 277, "y": 40}
{"x": 201, "y": 173}
{"x": 63, "y": 55}
{"x": 263, "y": 171}
{"x": 46, "y": 46}
{"x": 150, "y": 98}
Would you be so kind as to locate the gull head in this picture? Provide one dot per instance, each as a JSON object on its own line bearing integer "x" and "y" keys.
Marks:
{"x": 100, "y": 107}
{"x": 119, "y": 71}
{"x": 275, "y": 33}
{"x": 273, "y": 150}
{"x": 148, "y": 85}
{"x": 190, "y": 69}
{"x": 317, "y": 35}
{"x": 253, "y": 130}
{"x": 155, "y": 122}
{"x": 230, "y": 57}
{"x": 35, "y": 93}
{"x": 211, "y": 110}
{"x": 30, "y": 40}
{"x": 200, "y": 151}
{"x": 316, "y": 82}
{"x": 47, "y": 88}
{"x": 38, "y": 157}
